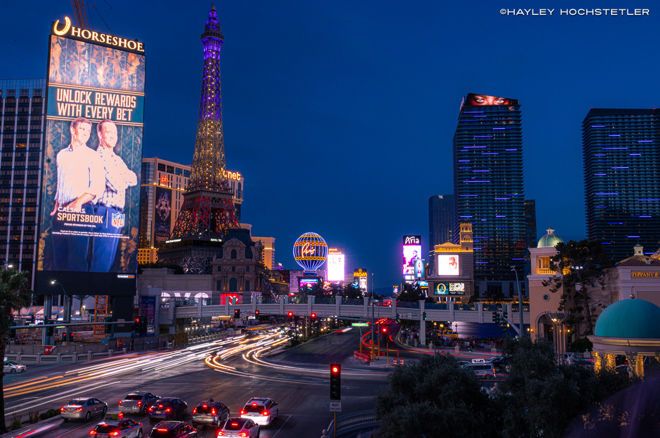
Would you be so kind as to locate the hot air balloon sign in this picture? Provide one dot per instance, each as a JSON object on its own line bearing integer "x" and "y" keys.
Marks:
{"x": 310, "y": 251}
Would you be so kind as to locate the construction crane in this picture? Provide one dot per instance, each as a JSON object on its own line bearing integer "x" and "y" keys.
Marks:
{"x": 80, "y": 11}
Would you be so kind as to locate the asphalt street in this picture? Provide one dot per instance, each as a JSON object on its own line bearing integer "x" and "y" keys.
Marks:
{"x": 297, "y": 379}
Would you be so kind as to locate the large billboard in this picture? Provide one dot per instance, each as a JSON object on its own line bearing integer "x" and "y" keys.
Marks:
{"x": 486, "y": 100}
{"x": 336, "y": 265}
{"x": 90, "y": 191}
{"x": 448, "y": 264}
{"x": 412, "y": 257}
{"x": 162, "y": 215}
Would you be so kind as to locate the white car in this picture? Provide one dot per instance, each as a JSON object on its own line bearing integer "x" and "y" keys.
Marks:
{"x": 13, "y": 367}
{"x": 262, "y": 410}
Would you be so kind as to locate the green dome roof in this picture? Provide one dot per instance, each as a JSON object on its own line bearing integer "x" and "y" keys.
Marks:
{"x": 632, "y": 318}
{"x": 549, "y": 240}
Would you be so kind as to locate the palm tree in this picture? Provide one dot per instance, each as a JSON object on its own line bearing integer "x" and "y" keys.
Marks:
{"x": 14, "y": 294}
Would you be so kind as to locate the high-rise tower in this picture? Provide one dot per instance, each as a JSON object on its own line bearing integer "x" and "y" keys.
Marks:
{"x": 208, "y": 211}
{"x": 622, "y": 179}
{"x": 488, "y": 185}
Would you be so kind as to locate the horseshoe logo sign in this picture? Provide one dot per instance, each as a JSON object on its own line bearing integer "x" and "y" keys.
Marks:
{"x": 65, "y": 29}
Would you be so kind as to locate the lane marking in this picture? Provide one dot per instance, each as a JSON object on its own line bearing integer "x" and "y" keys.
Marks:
{"x": 282, "y": 426}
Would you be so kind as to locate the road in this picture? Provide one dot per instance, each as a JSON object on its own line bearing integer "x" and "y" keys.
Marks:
{"x": 232, "y": 370}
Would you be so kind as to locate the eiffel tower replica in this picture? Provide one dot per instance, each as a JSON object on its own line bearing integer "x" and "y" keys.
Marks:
{"x": 208, "y": 211}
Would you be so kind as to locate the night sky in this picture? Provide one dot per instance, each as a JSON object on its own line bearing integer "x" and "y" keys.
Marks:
{"x": 340, "y": 114}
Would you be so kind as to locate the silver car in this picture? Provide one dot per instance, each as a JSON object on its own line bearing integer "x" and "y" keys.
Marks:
{"x": 13, "y": 367}
{"x": 83, "y": 409}
{"x": 137, "y": 402}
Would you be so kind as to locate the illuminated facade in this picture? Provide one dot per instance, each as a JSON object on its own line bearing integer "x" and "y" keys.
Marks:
{"x": 488, "y": 185}
{"x": 21, "y": 121}
{"x": 451, "y": 277}
{"x": 442, "y": 219}
{"x": 208, "y": 211}
{"x": 163, "y": 186}
{"x": 621, "y": 153}
{"x": 268, "y": 244}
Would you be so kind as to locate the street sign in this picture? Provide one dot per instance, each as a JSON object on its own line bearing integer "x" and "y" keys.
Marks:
{"x": 335, "y": 405}
{"x": 360, "y": 324}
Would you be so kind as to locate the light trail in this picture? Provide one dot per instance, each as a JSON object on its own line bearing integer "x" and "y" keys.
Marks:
{"x": 154, "y": 363}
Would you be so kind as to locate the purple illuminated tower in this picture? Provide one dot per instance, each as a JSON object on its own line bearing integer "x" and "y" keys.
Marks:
{"x": 208, "y": 210}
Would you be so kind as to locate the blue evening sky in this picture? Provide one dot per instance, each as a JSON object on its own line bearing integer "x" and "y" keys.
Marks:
{"x": 340, "y": 114}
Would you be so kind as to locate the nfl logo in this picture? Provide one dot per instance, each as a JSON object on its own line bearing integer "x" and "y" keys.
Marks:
{"x": 118, "y": 220}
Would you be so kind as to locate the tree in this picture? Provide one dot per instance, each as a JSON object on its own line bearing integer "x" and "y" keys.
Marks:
{"x": 14, "y": 294}
{"x": 583, "y": 267}
{"x": 352, "y": 291}
{"x": 435, "y": 397}
{"x": 540, "y": 398}
{"x": 411, "y": 293}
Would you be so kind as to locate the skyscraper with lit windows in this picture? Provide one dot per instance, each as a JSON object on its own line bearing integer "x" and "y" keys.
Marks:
{"x": 21, "y": 132}
{"x": 488, "y": 185}
{"x": 622, "y": 179}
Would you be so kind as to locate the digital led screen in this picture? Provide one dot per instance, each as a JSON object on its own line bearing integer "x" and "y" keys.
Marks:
{"x": 362, "y": 283}
{"x": 447, "y": 288}
{"x": 91, "y": 170}
{"x": 336, "y": 266}
{"x": 448, "y": 264}
{"x": 308, "y": 284}
{"x": 485, "y": 100}
{"x": 412, "y": 257}
{"x": 162, "y": 215}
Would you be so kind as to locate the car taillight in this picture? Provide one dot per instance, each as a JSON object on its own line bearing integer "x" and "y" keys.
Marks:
{"x": 121, "y": 402}
{"x": 139, "y": 404}
{"x": 168, "y": 410}
{"x": 151, "y": 408}
{"x": 214, "y": 411}
{"x": 194, "y": 411}
{"x": 221, "y": 433}
{"x": 254, "y": 404}
{"x": 115, "y": 433}
{"x": 62, "y": 409}
{"x": 92, "y": 432}
{"x": 120, "y": 415}
{"x": 160, "y": 406}
{"x": 79, "y": 409}
{"x": 243, "y": 411}
{"x": 265, "y": 413}
{"x": 162, "y": 429}
{"x": 242, "y": 434}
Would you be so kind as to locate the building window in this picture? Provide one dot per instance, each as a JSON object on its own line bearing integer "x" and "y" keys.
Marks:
{"x": 233, "y": 285}
{"x": 247, "y": 268}
{"x": 247, "y": 284}
{"x": 233, "y": 253}
{"x": 543, "y": 265}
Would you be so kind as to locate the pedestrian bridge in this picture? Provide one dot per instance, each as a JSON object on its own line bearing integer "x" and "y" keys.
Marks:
{"x": 361, "y": 309}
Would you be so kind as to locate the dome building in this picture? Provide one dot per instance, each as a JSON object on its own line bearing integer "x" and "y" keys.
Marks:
{"x": 627, "y": 328}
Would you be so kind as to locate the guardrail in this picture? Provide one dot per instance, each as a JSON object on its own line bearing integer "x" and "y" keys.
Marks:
{"x": 40, "y": 359}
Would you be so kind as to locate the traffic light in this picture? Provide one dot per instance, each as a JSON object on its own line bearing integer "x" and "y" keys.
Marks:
{"x": 423, "y": 316}
{"x": 335, "y": 381}
{"x": 237, "y": 313}
{"x": 313, "y": 316}
{"x": 398, "y": 317}
{"x": 256, "y": 313}
{"x": 383, "y": 330}
{"x": 289, "y": 314}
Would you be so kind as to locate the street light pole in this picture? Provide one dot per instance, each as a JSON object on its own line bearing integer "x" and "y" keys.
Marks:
{"x": 520, "y": 302}
{"x": 67, "y": 308}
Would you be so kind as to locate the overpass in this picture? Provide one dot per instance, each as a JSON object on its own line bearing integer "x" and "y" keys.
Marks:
{"x": 363, "y": 310}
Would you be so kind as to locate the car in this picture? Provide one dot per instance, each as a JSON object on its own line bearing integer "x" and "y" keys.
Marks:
{"x": 261, "y": 410}
{"x": 210, "y": 413}
{"x": 137, "y": 402}
{"x": 173, "y": 429}
{"x": 480, "y": 370}
{"x": 117, "y": 428}
{"x": 83, "y": 409}
{"x": 168, "y": 408}
{"x": 13, "y": 367}
{"x": 239, "y": 427}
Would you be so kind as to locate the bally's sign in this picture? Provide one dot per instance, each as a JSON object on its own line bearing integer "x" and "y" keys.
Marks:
{"x": 66, "y": 28}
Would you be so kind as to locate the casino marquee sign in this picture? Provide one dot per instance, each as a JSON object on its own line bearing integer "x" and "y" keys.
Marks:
{"x": 67, "y": 29}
